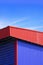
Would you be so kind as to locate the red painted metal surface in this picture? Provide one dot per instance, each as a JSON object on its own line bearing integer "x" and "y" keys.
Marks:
{"x": 5, "y": 32}
{"x": 24, "y": 34}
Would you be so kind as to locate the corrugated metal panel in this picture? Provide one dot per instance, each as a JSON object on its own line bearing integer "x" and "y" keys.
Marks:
{"x": 7, "y": 53}
{"x": 29, "y": 54}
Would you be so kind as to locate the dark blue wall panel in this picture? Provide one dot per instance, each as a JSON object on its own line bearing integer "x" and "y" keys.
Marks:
{"x": 29, "y": 54}
{"x": 7, "y": 53}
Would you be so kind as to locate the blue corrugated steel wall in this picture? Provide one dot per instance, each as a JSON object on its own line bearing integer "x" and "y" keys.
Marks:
{"x": 7, "y": 53}
{"x": 29, "y": 54}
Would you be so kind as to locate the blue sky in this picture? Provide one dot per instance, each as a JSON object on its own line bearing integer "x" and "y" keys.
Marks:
{"x": 22, "y": 13}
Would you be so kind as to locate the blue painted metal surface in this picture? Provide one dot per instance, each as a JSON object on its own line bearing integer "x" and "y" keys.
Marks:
{"x": 7, "y": 53}
{"x": 29, "y": 54}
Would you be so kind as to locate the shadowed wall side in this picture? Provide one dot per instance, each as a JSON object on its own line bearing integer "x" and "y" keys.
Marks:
{"x": 8, "y": 52}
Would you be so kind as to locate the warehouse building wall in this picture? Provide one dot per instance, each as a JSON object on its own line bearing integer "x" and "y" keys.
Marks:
{"x": 29, "y": 54}
{"x": 8, "y": 53}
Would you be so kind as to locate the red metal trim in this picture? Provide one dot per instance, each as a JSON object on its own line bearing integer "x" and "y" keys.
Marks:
{"x": 5, "y": 32}
{"x": 16, "y": 56}
{"x": 24, "y": 34}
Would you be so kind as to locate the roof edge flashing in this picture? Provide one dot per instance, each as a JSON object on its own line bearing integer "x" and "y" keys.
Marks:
{"x": 23, "y": 34}
{"x": 4, "y": 32}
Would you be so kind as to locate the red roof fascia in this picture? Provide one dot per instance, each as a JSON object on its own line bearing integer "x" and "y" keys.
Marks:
{"x": 5, "y": 32}
{"x": 24, "y": 34}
